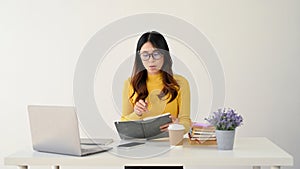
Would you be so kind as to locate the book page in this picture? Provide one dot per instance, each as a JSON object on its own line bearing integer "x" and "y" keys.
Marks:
{"x": 154, "y": 117}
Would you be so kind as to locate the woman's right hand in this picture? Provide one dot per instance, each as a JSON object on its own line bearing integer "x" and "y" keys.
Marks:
{"x": 141, "y": 107}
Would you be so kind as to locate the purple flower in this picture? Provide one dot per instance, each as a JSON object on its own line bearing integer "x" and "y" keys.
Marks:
{"x": 225, "y": 119}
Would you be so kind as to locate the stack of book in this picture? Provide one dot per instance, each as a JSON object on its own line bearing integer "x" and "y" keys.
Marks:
{"x": 202, "y": 134}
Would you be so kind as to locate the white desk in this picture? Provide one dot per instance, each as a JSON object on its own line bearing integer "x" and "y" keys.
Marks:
{"x": 255, "y": 152}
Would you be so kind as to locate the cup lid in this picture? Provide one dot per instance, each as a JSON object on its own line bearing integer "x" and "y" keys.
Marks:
{"x": 176, "y": 127}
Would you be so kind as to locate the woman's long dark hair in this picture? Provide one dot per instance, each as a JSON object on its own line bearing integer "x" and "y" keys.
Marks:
{"x": 139, "y": 74}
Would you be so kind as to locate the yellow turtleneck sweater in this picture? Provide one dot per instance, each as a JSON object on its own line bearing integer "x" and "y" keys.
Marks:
{"x": 179, "y": 107}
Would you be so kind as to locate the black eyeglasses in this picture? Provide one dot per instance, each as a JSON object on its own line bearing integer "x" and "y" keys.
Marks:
{"x": 156, "y": 55}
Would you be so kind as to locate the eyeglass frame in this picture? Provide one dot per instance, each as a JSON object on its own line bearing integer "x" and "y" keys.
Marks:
{"x": 151, "y": 55}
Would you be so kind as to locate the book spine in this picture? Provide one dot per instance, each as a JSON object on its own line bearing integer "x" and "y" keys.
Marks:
{"x": 144, "y": 129}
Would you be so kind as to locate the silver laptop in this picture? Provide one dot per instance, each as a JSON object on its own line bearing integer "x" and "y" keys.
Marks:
{"x": 55, "y": 129}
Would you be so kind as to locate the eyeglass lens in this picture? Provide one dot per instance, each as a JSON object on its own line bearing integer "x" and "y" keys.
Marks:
{"x": 155, "y": 55}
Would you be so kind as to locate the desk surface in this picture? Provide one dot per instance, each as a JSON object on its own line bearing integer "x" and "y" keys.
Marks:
{"x": 247, "y": 152}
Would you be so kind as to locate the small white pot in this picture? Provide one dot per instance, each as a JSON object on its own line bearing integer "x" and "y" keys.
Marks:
{"x": 225, "y": 139}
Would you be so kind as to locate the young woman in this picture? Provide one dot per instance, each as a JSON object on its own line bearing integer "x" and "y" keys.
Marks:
{"x": 153, "y": 89}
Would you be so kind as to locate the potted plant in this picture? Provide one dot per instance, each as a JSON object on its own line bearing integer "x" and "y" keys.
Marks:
{"x": 225, "y": 120}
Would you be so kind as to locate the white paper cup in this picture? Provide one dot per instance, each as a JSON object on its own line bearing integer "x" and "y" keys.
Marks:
{"x": 176, "y": 132}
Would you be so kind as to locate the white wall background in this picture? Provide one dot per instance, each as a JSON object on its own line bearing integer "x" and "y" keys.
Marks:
{"x": 257, "y": 41}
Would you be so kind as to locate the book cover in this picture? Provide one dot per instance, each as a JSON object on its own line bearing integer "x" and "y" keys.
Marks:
{"x": 148, "y": 128}
{"x": 197, "y": 142}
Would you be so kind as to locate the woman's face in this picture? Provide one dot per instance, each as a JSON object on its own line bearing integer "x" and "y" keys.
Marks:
{"x": 152, "y": 59}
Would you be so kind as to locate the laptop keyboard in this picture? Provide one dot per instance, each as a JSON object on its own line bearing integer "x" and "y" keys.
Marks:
{"x": 94, "y": 149}
{"x": 83, "y": 150}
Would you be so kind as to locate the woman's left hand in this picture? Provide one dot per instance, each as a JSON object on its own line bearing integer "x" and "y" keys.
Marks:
{"x": 165, "y": 126}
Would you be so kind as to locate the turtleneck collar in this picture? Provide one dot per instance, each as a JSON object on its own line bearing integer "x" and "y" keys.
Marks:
{"x": 154, "y": 77}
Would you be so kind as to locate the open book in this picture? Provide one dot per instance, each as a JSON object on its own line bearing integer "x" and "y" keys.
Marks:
{"x": 148, "y": 128}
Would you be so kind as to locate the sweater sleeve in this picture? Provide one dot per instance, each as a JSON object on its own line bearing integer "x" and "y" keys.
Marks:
{"x": 184, "y": 104}
{"x": 127, "y": 104}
